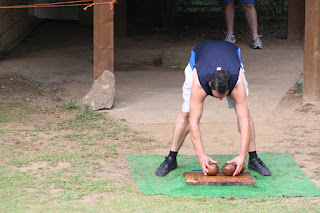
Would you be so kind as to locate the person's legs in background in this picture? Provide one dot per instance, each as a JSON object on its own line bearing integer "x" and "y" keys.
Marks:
{"x": 251, "y": 17}
{"x": 229, "y": 11}
{"x": 252, "y": 20}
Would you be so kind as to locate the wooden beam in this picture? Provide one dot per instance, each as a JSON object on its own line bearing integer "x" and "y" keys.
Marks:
{"x": 296, "y": 19}
{"x": 120, "y": 19}
{"x": 103, "y": 39}
{"x": 311, "y": 85}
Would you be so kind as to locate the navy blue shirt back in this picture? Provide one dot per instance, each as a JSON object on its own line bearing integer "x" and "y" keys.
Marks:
{"x": 209, "y": 55}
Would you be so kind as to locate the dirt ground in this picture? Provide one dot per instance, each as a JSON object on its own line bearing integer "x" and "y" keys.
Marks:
{"x": 289, "y": 127}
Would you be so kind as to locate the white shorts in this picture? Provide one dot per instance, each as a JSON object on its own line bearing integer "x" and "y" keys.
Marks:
{"x": 186, "y": 89}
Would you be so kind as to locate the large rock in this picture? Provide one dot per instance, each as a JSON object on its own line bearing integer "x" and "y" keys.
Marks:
{"x": 101, "y": 94}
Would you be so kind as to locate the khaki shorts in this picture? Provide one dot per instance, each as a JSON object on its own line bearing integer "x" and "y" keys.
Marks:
{"x": 187, "y": 85}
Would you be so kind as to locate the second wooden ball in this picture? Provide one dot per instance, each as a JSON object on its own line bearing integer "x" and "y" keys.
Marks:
{"x": 228, "y": 169}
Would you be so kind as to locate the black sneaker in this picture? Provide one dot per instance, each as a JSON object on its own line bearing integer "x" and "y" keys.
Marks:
{"x": 257, "y": 165}
{"x": 166, "y": 167}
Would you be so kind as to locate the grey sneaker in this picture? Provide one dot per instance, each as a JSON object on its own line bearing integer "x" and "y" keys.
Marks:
{"x": 231, "y": 38}
{"x": 256, "y": 43}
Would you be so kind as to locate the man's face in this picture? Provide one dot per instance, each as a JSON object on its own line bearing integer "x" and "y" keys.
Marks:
{"x": 218, "y": 95}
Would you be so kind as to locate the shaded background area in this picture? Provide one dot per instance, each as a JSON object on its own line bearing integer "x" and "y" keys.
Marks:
{"x": 198, "y": 12}
{"x": 141, "y": 16}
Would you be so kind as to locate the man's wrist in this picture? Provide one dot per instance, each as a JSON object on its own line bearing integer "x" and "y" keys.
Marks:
{"x": 201, "y": 154}
{"x": 243, "y": 155}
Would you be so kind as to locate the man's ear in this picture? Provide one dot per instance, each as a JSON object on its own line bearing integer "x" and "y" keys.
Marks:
{"x": 209, "y": 84}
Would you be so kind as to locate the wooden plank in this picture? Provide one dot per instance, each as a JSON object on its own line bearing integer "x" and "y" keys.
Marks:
{"x": 103, "y": 39}
{"x": 311, "y": 85}
{"x": 197, "y": 178}
{"x": 296, "y": 19}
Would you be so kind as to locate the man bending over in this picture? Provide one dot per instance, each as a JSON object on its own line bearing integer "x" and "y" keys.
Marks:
{"x": 214, "y": 69}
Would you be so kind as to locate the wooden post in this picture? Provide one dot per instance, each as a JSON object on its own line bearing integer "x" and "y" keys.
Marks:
{"x": 311, "y": 79}
{"x": 296, "y": 19}
{"x": 103, "y": 39}
{"x": 120, "y": 19}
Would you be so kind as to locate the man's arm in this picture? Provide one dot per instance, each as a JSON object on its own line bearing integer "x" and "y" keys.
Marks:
{"x": 241, "y": 107}
{"x": 196, "y": 108}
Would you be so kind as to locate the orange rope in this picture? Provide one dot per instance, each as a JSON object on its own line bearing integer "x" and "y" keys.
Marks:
{"x": 112, "y": 3}
{"x": 36, "y": 6}
{"x": 57, "y": 4}
{"x": 63, "y": 4}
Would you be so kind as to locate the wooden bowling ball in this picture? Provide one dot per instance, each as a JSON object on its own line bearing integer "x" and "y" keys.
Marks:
{"x": 228, "y": 169}
{"x": 213, "y": 169}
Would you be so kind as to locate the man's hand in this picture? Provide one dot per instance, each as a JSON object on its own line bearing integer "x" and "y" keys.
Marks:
{"x": 204, "y": 162}
{"x": 239, "y": 160}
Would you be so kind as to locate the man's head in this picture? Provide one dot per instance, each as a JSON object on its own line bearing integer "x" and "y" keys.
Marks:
{"x": 220, "y": 83}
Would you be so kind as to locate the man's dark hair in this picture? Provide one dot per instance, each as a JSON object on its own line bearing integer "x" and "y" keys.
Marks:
{"x": 221, "y": 81}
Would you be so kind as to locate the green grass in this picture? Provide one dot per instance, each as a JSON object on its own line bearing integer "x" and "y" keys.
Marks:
{"x": 315, "y": 153}
{"x": 290, "y": 139}
{"x": 73, "y": 104}
{"x": 15, "y": 112}
{"x": 134, "y": 202}
{"x": 85, "y": 142}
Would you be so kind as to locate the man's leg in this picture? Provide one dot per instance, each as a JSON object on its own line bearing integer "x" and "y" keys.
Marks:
{"x": 180, "y": 131}
{"x": 228, "y": 10}
{"x": 252, "y": 144}
{"x": 255, "y": 163}
{"x": 252, "y": 20}
{"x": 181, "y": 127}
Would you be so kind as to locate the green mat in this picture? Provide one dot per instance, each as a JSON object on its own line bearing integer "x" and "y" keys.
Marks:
{"x": 287, "y": 178}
